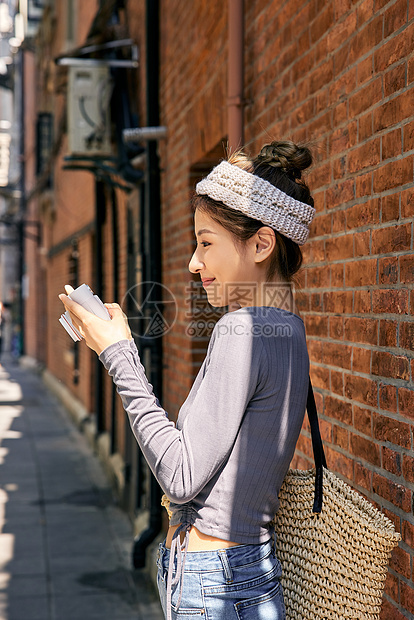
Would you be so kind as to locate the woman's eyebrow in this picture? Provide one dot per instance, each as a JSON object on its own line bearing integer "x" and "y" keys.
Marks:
{"x": 205, "y": 230}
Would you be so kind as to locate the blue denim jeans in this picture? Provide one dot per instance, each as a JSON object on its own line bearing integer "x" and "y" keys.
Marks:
{"x": 241, "y": 582}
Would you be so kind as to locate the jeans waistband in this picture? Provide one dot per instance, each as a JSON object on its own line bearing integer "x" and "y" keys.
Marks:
{"x": 239, "y": 555}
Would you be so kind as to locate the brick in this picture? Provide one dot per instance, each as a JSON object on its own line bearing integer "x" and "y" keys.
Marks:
{"x": 343, "y": 139}
{"x": 338, "y": 222}
{"x": 406, "y": 268}
{"x": 340, "y": 193}
{"x": 338, "y": 248}
{"x": 365, "y": 69}
{"x": 363, "y": 330}
{"x": 338, "y": 409}
{"x": 339, "y": 463}
{"x": 319, "y": 176}
{"x": 325, "y": 428}
{"x": 361, "y": 273}
{"x": 388, "y": 270}
{"x": 365, "y": 449}
{"x": 322, "y": 23}
{"x": 386, "y": 364}
{"x": 339, "y": 91}
{"x": 408, "y": 468}
{"x": 394, "y": 79}
{"x": 363, "y": 185}
{"x": 361, "y": 360}
{"x": 338, "y": 302}
{"x": 319, "y": 377}
{"x": 407, "y": 203}
{"x": 362, "y": 302}
{"x": 335, "y": 354}
{"x": 316, "y": 302}
{"x": 388, "y": 397}
{"x": 391, "y": 239}
{"x": 316, "y": 325}
{"x": 366, "y": 97}
{"x": 337, "y": 382}
{"x": 400, "y": 562}
{"x": 365, "y": 11}
{"x": 394, "y": 50}
{"x": 406, "y": 336}
{"x": 362, "y": 243}
{"x": 365, "y": 39}
{"x": 390, "y": 207}
{"x": 407, "y": 597}
{"x": 362, "y": 476}
{"x": 340, "y": 113}
{"x": 391, "y": 460}
{"x": 408, "y": 533}
{"x": 321, "y": 224}
{"x": 337, "y": 275}
{"x": 393, "y": 174}
{"x": 388, "y": 611}
{"x": 394, "y": 431}
{"x": 341, "y": 32}
{"x": 387, "y": 333}
{"x": 395, "y": 17}
{"x": 364, "y": 214}
{"x": 362, "y": 420}
{"x": 406, "y": 402}
{"x": 339, "y": 167}
{"x": 365, "y": 126}
{"x": 408, "y": 137}
{"x": 392, "y": 301}
{"x": 361, "y": 389}
{"x": 317, "y": 277}
{"x": 365, "y": 156}
{"x": 340, "y": 437}
{"x": 392, "y": 144}
{"x": 336, "y": 327}
{"x": 391, "y": 588}
{"x": 304, "y": 445}
{"x": 393, "y": 111}
{"x": 392, "y": 492}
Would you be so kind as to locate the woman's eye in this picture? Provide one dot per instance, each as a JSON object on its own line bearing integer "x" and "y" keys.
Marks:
{"x": 204, "y": 243}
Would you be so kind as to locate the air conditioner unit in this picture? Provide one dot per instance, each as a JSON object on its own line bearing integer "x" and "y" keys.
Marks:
{"x": 89, "y": 94}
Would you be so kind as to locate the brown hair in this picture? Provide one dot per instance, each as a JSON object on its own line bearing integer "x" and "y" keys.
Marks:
{"x": 281, "y": 163}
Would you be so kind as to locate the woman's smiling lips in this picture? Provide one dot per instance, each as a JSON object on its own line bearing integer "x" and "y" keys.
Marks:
{"x": 208, "y": 281}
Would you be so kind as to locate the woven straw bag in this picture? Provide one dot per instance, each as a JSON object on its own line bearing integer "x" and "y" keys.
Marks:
{"x": 334, "y": 553}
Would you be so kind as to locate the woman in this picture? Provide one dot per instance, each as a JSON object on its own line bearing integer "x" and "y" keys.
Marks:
{"x": 224, "y": 461}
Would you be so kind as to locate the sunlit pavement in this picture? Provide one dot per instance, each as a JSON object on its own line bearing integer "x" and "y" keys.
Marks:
{"x": 65, "y": 546}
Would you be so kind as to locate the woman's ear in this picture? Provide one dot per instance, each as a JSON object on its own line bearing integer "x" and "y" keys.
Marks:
{"x": 264, "y": 243}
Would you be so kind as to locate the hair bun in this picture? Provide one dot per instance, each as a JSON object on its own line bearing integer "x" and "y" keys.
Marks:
{"x": 286, "y": 155}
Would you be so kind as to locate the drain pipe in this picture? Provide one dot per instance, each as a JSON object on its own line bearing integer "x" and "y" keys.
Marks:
{"x": 152, "y": 215}
{"x": 235, "y": 72}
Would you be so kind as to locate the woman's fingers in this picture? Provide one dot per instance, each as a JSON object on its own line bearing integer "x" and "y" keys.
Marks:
{"x": 74, "y": 307}
{"x": 69, "y": 289}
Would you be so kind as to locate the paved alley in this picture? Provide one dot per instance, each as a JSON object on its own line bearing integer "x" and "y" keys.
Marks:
{"x": 64, "y": 545}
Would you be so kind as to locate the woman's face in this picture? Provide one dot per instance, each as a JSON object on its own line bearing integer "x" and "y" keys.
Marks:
{"x": 222, "y": 266}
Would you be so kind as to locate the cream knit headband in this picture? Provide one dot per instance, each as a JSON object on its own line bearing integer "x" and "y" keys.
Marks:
{"x": 258, "y": 199}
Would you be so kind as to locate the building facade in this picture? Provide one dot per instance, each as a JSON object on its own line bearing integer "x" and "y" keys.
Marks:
{"x": 336, "y": 75}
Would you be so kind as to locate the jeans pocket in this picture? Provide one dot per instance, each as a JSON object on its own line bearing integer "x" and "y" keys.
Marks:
{"x": 268, "y": 606}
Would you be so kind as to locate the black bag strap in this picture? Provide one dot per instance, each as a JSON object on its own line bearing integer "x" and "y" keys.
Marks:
{"x": 318, "y": 452}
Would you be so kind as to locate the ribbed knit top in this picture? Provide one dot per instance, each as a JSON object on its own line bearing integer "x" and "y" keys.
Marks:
{"x": 223, "y": 462}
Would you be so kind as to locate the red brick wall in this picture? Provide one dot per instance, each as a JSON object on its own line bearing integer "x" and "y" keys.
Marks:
{"x": 338, "y": 75}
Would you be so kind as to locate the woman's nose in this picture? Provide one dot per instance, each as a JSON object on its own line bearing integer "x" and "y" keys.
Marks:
{"x": 195, "y": 263}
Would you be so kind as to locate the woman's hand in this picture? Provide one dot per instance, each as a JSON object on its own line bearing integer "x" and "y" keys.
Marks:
{"x": 98, "y": 334}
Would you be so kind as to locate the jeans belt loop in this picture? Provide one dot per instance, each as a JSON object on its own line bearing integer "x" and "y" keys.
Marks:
{"x": 226, "y": 565}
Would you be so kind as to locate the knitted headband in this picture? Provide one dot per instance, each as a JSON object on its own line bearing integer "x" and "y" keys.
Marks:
{"x": 258, "y": 199}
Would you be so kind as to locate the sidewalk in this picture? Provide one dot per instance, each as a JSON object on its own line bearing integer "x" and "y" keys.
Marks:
{"x": 65, "y": 547}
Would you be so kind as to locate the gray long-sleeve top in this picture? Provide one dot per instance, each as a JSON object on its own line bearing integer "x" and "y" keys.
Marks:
{"x": 224, "y": 461}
